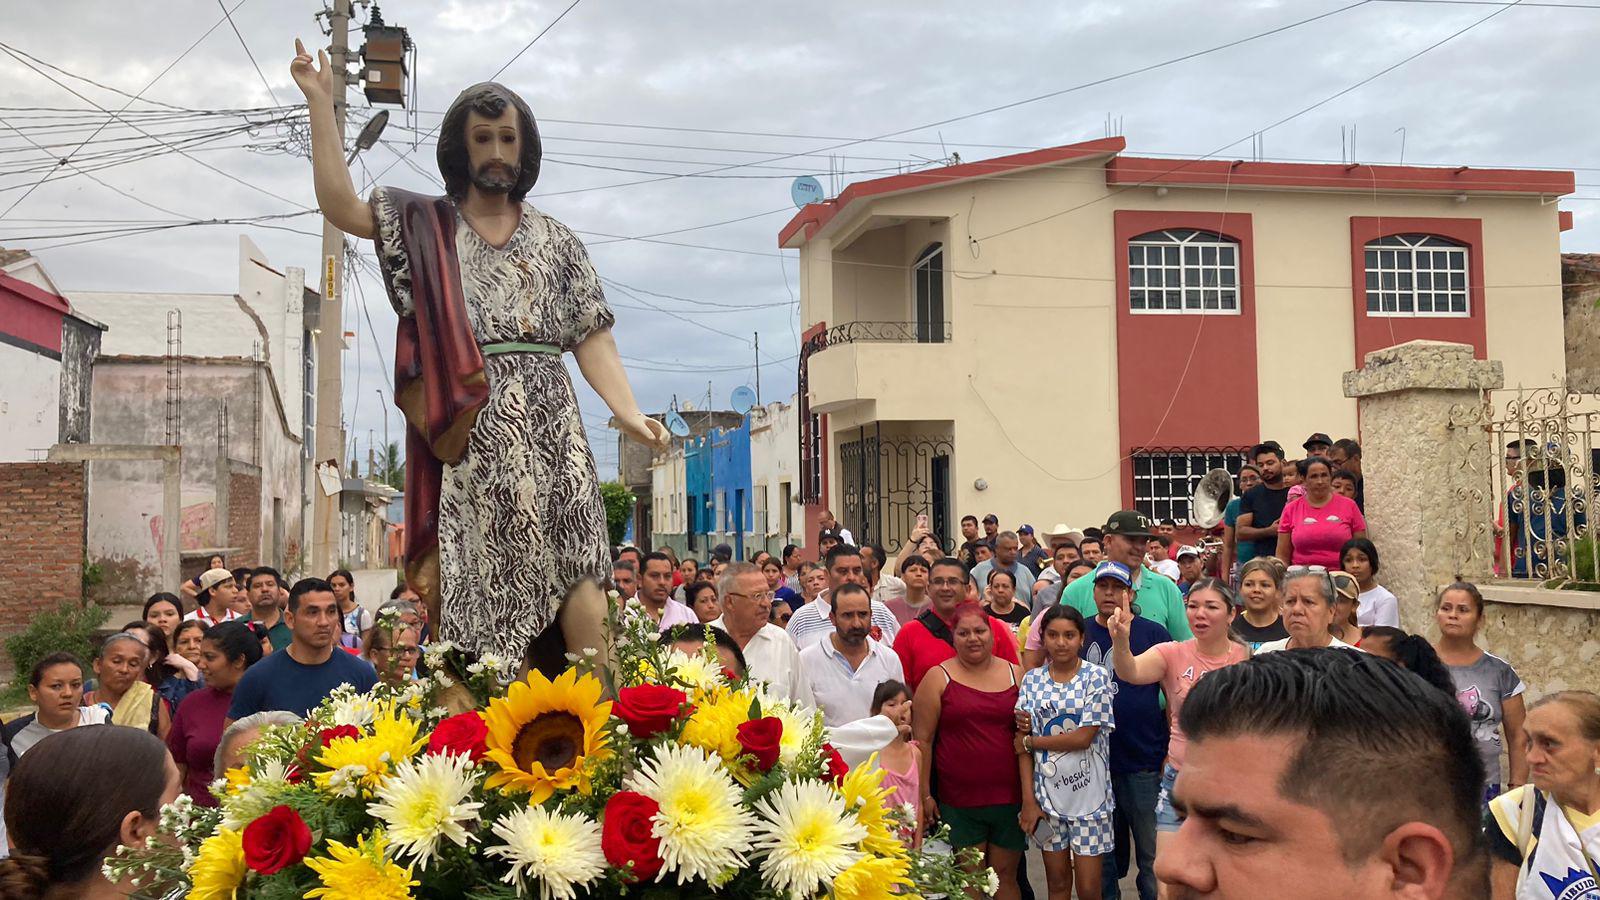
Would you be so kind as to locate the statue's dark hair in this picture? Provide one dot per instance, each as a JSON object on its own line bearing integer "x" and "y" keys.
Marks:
{"x": 487, "y": 99}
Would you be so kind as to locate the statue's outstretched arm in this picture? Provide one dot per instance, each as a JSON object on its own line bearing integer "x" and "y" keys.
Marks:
{"x": 336, "y": 193}
{"x": 602, "y": 368}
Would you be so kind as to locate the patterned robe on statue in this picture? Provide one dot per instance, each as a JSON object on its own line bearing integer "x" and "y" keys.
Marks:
{"x": 520, "y": 517}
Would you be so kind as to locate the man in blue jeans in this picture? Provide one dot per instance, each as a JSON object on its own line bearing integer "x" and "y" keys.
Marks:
{"x": 1138, "y": 745}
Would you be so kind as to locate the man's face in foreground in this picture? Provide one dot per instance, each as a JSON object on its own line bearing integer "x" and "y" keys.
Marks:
{"x": 1243, "y": 840}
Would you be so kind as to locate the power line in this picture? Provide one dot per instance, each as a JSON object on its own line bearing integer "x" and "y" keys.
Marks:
{"x": 229, "y": 16}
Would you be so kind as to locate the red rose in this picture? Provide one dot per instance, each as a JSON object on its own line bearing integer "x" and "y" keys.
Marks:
{"x": 649, "y": 709}
{"x": 759, "y": 738}
{"x": 466, "y": 733}
{"x": 276, "y": 841}
{"x": 834, "y": 764}
{"x": 625, "y": 834}
{"x": 329, "y": 735}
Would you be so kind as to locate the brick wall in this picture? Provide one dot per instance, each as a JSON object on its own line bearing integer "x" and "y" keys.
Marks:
{"x": 244, "y": 519}
{"x": 41, "y": 554}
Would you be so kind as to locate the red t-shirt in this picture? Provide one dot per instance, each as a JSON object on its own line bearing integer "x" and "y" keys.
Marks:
{"x": 196, "y": 730}
{"x": 1319, "y": 531}
{"x": 920, "y": 650}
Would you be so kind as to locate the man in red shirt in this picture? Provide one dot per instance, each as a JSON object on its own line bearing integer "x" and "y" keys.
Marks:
{"x": 926, "y": 641}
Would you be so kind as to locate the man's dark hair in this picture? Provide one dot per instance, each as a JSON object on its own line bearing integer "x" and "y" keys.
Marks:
{"x": 305, "y": 586}
{"x": 722, "y": 553}
{"x": 1345, "y": 475}
{"x": 1091, "y": 539}
{"x": 259, "y": 571}
{"x": 1092, "y": 534}
{"x": 623, "y": 565}
{"x": 915, "y": 561}
{"x": 788, "y": 551}
{"x": 1348, "y": 447}
{"x": 243, "y": 573}
{"x": 658, "y": 556}
{"x": 698, "y": 632}
{"x": 1272, "y": 447}
{"x": 951, "y": 562}
{"x": 1172, "y": 522}
{"x": 1367, "y": 715}
{"x": 966, "y": 519}
{"x": 490, "y": 100}
{"x": 850, "y": 588}
{"x": 838, "y": 551}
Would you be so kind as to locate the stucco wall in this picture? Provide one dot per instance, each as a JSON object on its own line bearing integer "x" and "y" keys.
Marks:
{"x": 774, "y": 461}
{"x": 29, "y": 409}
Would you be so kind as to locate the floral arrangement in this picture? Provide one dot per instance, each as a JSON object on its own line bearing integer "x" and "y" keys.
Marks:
{"x": 691, "y": 781}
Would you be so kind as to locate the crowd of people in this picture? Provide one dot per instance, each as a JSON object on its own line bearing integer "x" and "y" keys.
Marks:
{"x": 1237, "y": 715}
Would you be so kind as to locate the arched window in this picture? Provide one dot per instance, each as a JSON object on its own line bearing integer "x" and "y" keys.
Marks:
{"x": 1416, "y": 275}
{"x": 1181, "y": 270}
{"x": 928, "y": 287}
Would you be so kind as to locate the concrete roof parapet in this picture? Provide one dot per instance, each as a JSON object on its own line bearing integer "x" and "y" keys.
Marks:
{"x": 1436, "y": 365}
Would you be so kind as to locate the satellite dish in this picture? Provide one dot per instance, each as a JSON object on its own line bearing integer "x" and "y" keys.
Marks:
{"x": 676, "y": 424}
{"x": 806, "y": 189}
{"x": 743, "y": 399}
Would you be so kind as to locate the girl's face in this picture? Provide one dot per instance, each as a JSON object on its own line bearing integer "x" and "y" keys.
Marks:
{"x": 189, "y": 643}
{"x": 216, "y": 562}
{"x": 774, "y": 574}
{"x": 1002, "y": 590}
{"x": 59, "y": 692}
{"x": 214, "y": 664}
{"x": 1458, "y": 615}
{"x": 1356, "y": 563}
{"x": 1344, "y": 487}
{"x": 1260, "y": 592}
{"x": 1209, "y": 613}
{"x": 688, "y": 567}
{"x": 341, "y": 588}
{"x": 974, "y": 639}
{"x": 930, "y": 550}
{"x": 706, "y": 608}
{"x": 1063, "y": 640}
{"x": 1074, "y": 572}
{"x": 164, "y": 617}
{"x": 898, "y": 711}
{"x": 120, "y": 665}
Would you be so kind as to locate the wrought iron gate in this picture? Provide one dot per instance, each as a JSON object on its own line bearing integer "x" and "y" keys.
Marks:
{"x": 886, "y": 482}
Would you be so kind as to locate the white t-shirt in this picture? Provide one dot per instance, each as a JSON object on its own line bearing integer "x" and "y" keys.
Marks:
{"x": 1168, "y": 568}
{"x": 1271, "y": 646}
{"x": 1378, "y": 607}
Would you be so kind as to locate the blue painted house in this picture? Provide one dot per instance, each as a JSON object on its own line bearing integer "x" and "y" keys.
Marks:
{"x": 730, "y": 484}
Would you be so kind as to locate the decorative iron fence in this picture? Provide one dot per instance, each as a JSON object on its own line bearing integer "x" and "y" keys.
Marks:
{"x": 1531, "y": 463}
{"x": 886, "y": 482}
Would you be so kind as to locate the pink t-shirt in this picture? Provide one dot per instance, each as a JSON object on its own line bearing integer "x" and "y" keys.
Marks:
{"x": 1185, "y": 666}
{"x": 1319, "y": 531}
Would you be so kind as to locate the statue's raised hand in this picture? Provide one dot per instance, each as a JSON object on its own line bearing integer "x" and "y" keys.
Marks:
{"x": 315, "y": 79}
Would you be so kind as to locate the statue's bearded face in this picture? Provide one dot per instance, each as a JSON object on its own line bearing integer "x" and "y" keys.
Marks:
{"x": 494, "y": 151}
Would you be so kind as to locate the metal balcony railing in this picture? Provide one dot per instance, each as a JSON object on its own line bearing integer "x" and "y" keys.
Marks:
{"x": 860, "y": 332}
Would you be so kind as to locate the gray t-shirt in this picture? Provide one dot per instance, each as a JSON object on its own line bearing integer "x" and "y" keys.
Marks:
{"x": 35, "y": 731}
{"x": 1483, "y": 688}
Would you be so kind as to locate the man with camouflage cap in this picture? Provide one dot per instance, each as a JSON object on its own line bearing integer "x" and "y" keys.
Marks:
{"x": 1154, "y": 597}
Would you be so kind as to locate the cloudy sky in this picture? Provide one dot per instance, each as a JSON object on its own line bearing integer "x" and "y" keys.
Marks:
{"x": 631, "y": 93}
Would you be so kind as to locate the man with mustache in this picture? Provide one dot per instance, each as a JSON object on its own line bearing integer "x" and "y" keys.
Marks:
{"x": 506, "y": 530}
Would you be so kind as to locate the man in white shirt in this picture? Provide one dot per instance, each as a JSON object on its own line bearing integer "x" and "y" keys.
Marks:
{"x": 810, "y": 622}
{"x": 655, "y": 594}
{"x": 214, "y": 601}
{"x": 768, "y": 652}
{"x": 846, "y": 667}
{"x": 829, "y": 523}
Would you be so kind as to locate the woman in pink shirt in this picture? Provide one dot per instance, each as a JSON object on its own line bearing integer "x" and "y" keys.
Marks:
{"x": 1178, "y": 665}
{"x": 1314, "y": 527}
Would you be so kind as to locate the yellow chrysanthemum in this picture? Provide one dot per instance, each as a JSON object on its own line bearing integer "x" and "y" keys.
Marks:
{"x": 714, "y": 727}
{"x": 362, "y": 872}
{"x": 543, "y": 734}
{"x": 863, "y": 792}
{"x": 874, "y": 878}
{"x": 362, "y": 763}
{"x": 238, "y": 779}
{"x": 218, "y": 867}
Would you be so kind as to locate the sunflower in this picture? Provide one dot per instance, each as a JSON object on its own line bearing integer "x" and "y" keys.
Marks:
{"x": 543, "y": 734}
{"x": 863, "y": 792}
{"x": 363, "y": 871}
{"x": 218, "y": 867}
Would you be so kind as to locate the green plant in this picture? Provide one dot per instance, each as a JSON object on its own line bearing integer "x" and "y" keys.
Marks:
{"x": 68, "y": 627}
{"x": 93, "y": 574}
{"x": 619, "y": 507}
{"x": 1583, "y": 560}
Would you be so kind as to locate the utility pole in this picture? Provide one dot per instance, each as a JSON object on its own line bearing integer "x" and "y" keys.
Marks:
{"x": 327, "y": 531}
{"x": 758, "y": 368}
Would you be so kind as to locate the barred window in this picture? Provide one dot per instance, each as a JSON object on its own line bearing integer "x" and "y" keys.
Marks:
{"x": 1416, "y": 275}
{"x": 1164, "y": 480}
{"x": 1182, "y": 270}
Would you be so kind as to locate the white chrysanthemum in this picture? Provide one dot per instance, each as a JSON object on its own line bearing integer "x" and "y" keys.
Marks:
{"x": 695, "y": 670}
{"x": 809, "y": 835}
{"x": 358, "y": 710}
{"x": 991, "y": 882}
{"x": 797, "y": 728}
{"x": 425, "y": 803}
{"x": 703, "y": 827}
{"x": 560, "y": 852}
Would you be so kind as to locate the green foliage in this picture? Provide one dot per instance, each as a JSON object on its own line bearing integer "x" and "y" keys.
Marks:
{"x": 391, "y": 469}
{"x": 1583, "y": 557}
{"x": 619, "y": 507}
{"x": 68, "y": 627}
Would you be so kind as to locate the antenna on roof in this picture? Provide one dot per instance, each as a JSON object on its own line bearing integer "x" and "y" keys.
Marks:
{"x": 1402, "y": 132}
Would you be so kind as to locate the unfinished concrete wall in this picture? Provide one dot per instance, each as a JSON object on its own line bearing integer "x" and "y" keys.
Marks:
{"x": 42, "y": 555}
{"x": 1580, "y": 295}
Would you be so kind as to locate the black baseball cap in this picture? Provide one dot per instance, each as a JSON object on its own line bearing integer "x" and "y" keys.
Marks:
{"x": 1128, "y": 523}
{"x": 991, "y": 518}
{"x": 826, "y": 533}
{"x": 1318, "y": 438}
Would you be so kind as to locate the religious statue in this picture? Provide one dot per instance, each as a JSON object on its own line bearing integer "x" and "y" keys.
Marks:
{"x": 505, "y": 529}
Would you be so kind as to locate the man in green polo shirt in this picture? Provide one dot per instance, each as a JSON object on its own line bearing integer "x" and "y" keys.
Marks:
{"x": 266, "y": 596}
{"x": 1155, "y": 595}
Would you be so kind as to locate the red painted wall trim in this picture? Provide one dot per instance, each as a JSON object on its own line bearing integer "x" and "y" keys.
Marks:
{"x": 31, "y": 314}
{"x": 1375, "y": 332}
{"x": 1217, "y": 402}
{"x": 1564, "y": 216}
{"x": 1144, "y": 170}
{"x": 815, "y": 215}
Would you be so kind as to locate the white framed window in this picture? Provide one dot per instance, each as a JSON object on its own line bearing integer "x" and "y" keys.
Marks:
{"x": 928, "y": 278}
{"x": 1164, "y": 480}
{"x": 1181, "y": 270}
{"x": 1416, "y": 275}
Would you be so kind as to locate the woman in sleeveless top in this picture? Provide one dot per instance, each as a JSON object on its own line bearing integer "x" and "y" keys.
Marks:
{"x": 964, "y": 710}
